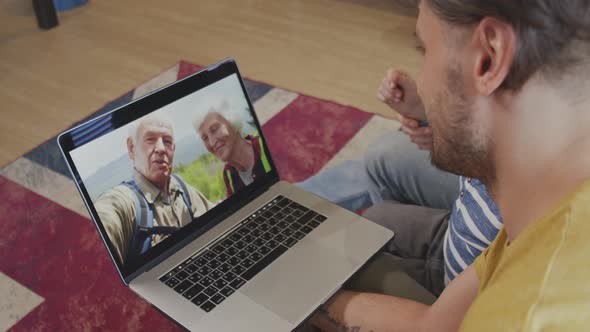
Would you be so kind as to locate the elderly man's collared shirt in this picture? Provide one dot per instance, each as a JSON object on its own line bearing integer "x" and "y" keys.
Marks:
{"x": 116, "y": 209}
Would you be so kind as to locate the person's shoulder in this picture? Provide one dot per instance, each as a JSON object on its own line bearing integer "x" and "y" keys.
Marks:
{"x": 180, "y": 181}
{"x": 573, "y": 207}
{"x": 580, "y": 199}
{"x": 475, "y": 183}
{"x": 479, "y": 191}
{"x": 568, "y": 228}
{"x": 574, "y": 213}
{"x": 175, "y": 177}
{"x": 195, "y": 195}
{"x": 116, "y": 195}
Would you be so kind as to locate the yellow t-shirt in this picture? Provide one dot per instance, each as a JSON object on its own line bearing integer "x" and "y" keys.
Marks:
{"x": 540, "y": 281}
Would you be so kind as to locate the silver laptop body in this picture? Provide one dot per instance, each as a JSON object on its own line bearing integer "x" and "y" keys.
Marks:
{"x": 283, "y": 293}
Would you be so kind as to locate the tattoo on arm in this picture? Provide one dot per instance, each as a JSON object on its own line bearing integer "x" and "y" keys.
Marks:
{"x": 336, "y": 324}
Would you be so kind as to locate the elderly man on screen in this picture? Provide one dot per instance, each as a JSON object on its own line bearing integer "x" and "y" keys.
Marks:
{"x": 244, "y": 156}
{"x": 141, "y": 212}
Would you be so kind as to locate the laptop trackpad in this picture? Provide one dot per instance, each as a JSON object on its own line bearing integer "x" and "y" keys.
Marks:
{"x": 296, "y": 283}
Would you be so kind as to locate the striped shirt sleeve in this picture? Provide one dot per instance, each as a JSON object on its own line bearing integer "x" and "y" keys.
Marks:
{"x": 474, "y": 223}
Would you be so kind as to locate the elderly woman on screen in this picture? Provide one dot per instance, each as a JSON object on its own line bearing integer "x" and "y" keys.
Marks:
{"x": 245, "y": 160}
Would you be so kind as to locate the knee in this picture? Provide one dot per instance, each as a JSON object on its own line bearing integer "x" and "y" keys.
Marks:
{"x": 387, "y": 214}
{"x": 390, "y": 156}
{"x": 382, "y": 214}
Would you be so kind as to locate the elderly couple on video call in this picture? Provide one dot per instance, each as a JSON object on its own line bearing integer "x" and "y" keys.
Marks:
{"x": 486, "y": 185}
{"x": 173, "y": 202}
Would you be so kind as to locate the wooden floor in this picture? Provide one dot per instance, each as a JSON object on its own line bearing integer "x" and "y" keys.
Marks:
{"x": 333, "y": 49}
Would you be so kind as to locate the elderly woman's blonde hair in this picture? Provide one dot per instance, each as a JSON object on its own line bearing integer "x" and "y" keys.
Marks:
{"x": 234, "y": 116}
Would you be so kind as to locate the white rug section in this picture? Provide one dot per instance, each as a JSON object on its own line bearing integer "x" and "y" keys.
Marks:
{"x": 47, "y": 183}
{"x": 272, "y": 103}
{"x": 16, "y": 301}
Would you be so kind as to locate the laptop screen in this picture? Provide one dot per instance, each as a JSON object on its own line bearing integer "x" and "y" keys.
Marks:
{"x": 170, "y": 169}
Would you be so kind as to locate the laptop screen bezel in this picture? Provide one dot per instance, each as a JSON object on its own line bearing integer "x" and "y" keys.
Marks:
{"x": 141, "y": 107}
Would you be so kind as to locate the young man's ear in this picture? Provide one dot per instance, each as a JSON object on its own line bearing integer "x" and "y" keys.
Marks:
{"x": 130, "y": 148}
{"x": 495, "y": 48}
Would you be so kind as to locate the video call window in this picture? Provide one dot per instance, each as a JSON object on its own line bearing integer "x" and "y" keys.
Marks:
{"x": 159, "y": 173}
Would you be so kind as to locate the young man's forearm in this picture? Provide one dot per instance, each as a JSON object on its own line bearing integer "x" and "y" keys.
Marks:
{"x": 351, "y": 311}
{"x": 355, "y": 312}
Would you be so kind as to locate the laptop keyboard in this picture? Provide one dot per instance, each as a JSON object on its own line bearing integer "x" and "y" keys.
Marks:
{"x": 212, "y": 275}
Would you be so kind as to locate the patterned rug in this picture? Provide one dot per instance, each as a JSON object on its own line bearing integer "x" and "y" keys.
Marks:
{"x": 55, "y": 274}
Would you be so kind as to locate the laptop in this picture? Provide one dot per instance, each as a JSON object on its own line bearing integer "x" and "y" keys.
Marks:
{"x": 213, "y": 240}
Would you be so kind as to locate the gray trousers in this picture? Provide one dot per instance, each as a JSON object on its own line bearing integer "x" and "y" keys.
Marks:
{"x": 413, "y": 199}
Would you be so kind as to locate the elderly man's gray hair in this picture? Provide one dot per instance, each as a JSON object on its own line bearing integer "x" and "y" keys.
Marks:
{"x": 234, "y": 116}
{"x": 156, "y": 119}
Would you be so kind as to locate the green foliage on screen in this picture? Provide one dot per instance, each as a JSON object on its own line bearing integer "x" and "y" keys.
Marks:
{"x": 204, "y": 174}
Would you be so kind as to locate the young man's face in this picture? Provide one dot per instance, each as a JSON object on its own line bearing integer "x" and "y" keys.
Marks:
{"x": 154, "y": 151}
{"x": 458, "y": 145}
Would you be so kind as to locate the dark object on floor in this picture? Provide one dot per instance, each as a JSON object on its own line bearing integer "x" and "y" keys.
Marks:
{"x": 46, "y": 14}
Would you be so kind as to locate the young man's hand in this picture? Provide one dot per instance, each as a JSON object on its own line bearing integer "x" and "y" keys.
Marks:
{"x": 421, "y": 136}
{"x": 398, "y": 91}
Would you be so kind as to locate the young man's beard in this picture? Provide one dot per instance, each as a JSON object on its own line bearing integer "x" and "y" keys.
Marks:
{"x": 456, "y": 146}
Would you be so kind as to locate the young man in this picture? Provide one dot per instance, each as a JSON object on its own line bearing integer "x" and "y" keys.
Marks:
{"x": 445, "y": 220}
{"x": 503, "y": 84}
